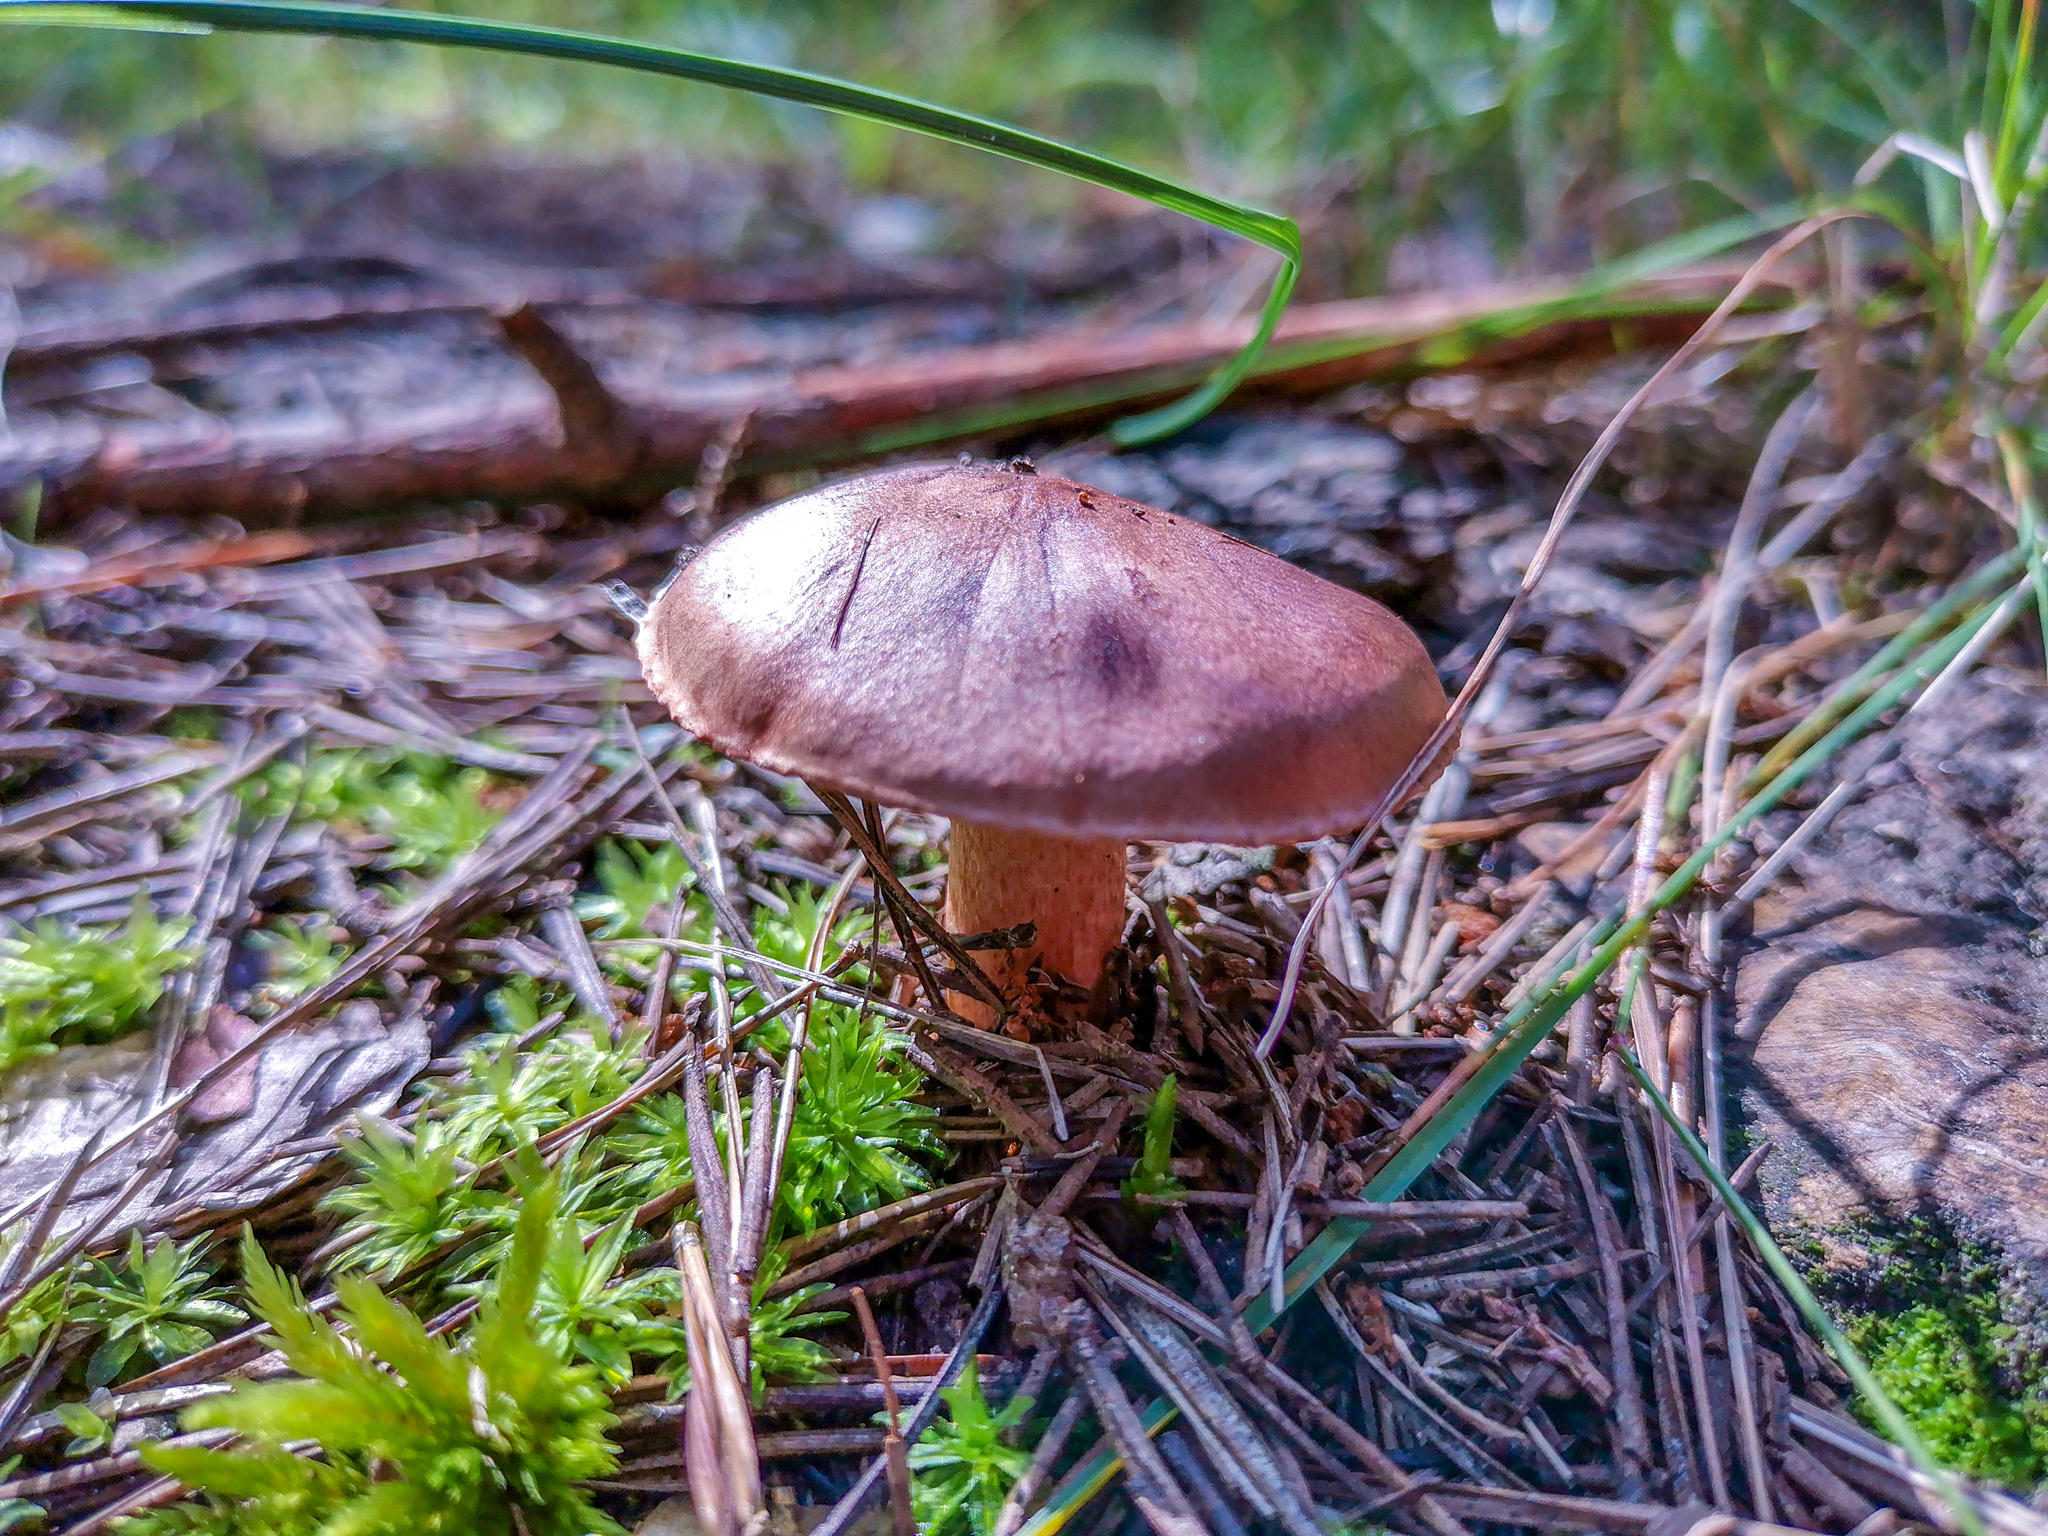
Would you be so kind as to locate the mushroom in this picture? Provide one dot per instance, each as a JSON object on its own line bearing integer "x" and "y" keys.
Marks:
{"x": 1058, "y": 670}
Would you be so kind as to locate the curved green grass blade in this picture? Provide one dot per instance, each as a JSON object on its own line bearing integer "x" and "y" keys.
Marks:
{"x": 1274, "y": 231}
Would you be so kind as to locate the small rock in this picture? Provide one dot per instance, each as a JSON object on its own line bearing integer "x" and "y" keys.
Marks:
{"x": 1897, "y": 1002}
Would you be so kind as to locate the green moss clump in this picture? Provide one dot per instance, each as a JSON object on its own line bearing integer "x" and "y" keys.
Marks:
{"x": 1925, "y": 1309}
{"x": 83, "y": 986}
{"x": 1938, "y": 1364}
{"x": 430, "y": 809}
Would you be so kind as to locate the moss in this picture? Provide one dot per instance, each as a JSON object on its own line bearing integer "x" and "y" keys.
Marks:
{"x": 1941, "y": 1366}
{"x": 1926, "y": 1312}
{"x": 83, "y": 986}
{"x": 430, "y": 809}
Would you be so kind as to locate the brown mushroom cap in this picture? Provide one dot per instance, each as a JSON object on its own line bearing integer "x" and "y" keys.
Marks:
{"x": 1018, "y": 649}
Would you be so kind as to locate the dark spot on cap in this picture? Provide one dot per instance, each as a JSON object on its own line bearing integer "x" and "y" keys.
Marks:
{"x": 1123, "y": 662}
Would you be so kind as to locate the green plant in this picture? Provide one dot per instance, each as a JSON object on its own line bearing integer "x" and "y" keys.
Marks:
{"x": 429, "y": 808}
{"x": 635, "y": 882}
{"x": 299, "y": 953}
{"x": 89, "y": 1432}
{"x": 779, "y": 1350}
{"x": 1153, "y": 1176}
{"x": 510, "y": 1098}
{"x": 633, "y": 879}
{"x": 30, "y": 1320}
{"x": 654, "y": 1147}
{"x": 161, "y": 1304}
{"x": 583, "y": 1311}
{"x": 188, "y": 723}
{"x": 1935, "y": 1364}
{"x": 965, "y": 1463}
{"x": 15, "y": 1513}
{"x": 863, "y": 103}
{"x": 521, "y": 1003}
{"x": 857, "y": 1133}
{"x": 781, "y": 936}
{"x": 83, "y": 986}
{"x": 409, "y": 1199}
{"x": 417, "y": 1437}
{"x": 788, "y": 936}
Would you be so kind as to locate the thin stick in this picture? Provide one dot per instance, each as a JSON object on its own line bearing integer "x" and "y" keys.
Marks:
{"x": 712, "y": 877}
{"x": 707, "y": 1168}
{"x": 1050, "y": 1444}
{"x": 1539, "y": 564}
{"x": 902, "y": 1517}
{"x": 1634, "y": 1438}
{"x": 725, "y": 917}
{"x": 717, "y": 1382}
{"x": 848, "y": 1509}
{"x": 907, "y": 907}
{"x": 1349, "y": 959}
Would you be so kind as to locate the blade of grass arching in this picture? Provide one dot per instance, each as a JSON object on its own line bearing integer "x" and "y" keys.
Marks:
{"x": 1272, "y": 230}
{"x": 1888, "y": 1413}
{"x": 1529, "y": 1023}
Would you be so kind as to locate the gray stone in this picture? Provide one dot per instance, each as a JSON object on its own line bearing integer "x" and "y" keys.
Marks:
{"x": 1895, "y": 1001}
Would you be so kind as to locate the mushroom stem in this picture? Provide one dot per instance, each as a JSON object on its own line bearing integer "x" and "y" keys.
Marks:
{"x": 1072, "y": 888}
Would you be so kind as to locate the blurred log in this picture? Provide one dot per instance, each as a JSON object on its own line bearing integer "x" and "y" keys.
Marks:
{"x": 586, "y": 440}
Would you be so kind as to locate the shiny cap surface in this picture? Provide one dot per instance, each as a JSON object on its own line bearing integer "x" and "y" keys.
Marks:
{"x": 984, "y": 642}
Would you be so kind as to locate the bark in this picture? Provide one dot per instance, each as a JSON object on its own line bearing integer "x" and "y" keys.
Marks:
{"x": 580, "y": 439}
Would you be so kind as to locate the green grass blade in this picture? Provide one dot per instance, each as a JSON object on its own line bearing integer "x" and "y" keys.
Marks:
{"x": 2001, "y": 567}
{"x": 1272, "y": 230}
{"x": 1895, "y": 1422}
{"x": 1153, "y": 425}
{"x": 2022, "y": 321}
{"x": 1091, "y": 1475}
{"x": 91, "y": 14}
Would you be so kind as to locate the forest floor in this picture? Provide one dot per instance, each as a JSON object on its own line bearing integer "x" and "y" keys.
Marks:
{"x": 354, "y": 876}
